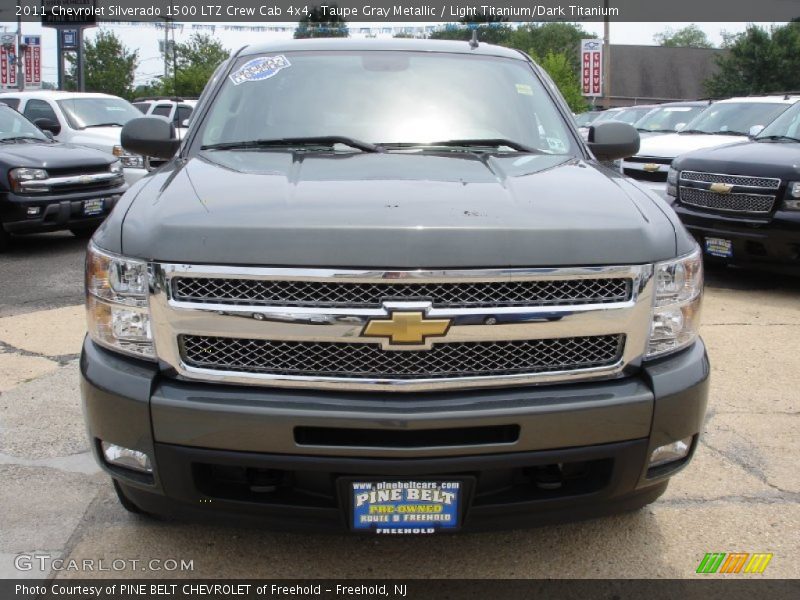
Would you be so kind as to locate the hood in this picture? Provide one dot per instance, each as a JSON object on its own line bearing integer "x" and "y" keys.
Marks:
{"x": 757, "y": 159}
{"x": 671, "y": 145}
{"x": 103, "y": 138}
{"x": 52, "y": 156}
{"x": 394, "y": 210}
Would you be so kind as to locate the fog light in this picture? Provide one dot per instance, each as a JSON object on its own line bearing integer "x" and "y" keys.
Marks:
{"x": 34, "y": 210}
{"x": 670, "y": 452}
{"x": 127, "y": 458}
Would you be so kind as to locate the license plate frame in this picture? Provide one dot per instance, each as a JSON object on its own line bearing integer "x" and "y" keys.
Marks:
{"x": 403, "y": 526}
{"x": 718, "y": 247}
{"x": 94, "y": 207}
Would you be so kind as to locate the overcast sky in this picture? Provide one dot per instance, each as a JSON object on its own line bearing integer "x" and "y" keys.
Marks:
{"x": 146, "y": 39}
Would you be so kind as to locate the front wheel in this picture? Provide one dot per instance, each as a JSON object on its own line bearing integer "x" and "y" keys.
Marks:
{"x": 5, "y": 238}
{"x": 83, "y": 233}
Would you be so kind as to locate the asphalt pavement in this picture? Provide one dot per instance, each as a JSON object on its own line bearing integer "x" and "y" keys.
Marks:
{"x": 740, "y": 494}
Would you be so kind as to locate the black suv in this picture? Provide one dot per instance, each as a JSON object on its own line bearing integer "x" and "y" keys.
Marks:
{"x": 742, "y": 201}
{"x": 49, "y": 186}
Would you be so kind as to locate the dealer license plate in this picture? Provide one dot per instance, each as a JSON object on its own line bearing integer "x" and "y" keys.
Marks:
{"x": 406, "y": 507}
{"x": 93, "y": 208}
{"x": 719, "y": 247}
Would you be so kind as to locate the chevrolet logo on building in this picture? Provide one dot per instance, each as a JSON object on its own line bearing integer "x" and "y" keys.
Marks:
{"x": 650, "y": 167}
{"x": 721, "y": 188}
{"x": 404, "y": 328}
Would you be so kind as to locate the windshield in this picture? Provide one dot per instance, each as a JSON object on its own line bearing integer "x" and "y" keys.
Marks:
{"x": 666, "y": 118}
{"x": 384, "y": 97}
{"x": 735, "y": 117}
{"x": 96, "y": 112}
{"x": 13, "y": 125}
{"x": 631, "y": 115}
{"x": 788, "y": 124}
{"x": 586, "y": 119}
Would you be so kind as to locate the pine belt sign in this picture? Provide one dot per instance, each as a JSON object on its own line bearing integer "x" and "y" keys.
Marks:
{"x": 33, "y": 61}
{"x": 68, "y": 13}
{"x": 592, "y": 67}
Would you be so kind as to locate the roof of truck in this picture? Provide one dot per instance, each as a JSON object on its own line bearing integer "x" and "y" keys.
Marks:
{"x": 397, "y": 44}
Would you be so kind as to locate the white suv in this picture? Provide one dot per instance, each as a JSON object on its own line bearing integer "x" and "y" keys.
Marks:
{"x": 723, "y": 122}
{"x": 176, "y": 110}
{"x": 92, "y": 120}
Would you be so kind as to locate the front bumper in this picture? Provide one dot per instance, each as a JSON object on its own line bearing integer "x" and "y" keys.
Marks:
{"x": 56, "y": 211}
{"x": 203, "y": 438}
{"x": 772, "y": 242}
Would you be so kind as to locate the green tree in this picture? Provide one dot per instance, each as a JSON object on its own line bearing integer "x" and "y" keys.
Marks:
{"x": 109, "y": 66}
{"x": 758, "y": 61}
{"x": 491, "y": 30}
{"x": 320, "y": 23}
{"x": 563, "y": 74}
{"x": 558, "y": 38}
{"x": 690, "y": 36}
{"x": 196, "y": 60}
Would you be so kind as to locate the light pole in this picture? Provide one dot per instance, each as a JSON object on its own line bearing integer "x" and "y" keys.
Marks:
{"x": 20, "y": 52}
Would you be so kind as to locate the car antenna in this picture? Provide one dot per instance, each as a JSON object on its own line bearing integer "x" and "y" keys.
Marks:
{"x": 473, "y": 42}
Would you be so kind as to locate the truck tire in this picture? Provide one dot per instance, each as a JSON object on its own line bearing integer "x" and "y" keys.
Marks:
{"x": 83, "y": 233}
{"x": 5, "y": 238}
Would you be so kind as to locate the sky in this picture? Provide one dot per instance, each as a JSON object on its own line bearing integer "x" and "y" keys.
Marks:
{"x": 145, "y": 39}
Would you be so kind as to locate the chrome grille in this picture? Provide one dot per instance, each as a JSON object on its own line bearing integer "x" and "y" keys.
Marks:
{"x": 451, "y": 295}
{"x": 736, "y": 202}
{"x": 363, "y": 360}
{"x": 768, "y": 183}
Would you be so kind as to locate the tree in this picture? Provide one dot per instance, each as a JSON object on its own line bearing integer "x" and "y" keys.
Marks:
{"x": 559, "y": 38}
{"x": 109, "y": 66}
{"x": 690, "y": 36}
{"x": 563, "y": 74}
{"x": 758, "y": 61}
{"x": 319, "y": 22}
{"x": 196, "y": 61}
{"x": 491, "y": 30}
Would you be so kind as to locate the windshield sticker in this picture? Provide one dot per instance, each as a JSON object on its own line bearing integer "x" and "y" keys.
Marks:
{"x": 524, "y": 89}
{"x": 260, "y": 68}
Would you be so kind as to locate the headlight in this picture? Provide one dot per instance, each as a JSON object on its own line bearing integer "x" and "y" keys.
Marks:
{"x": 128, "y": 160}
{"x": 20, "y": 180}
{"x": 676, "y": 310}
{"x": 116, "y": 167}
{"x": 672, "y": 182}
{"x": 792, "y": 201}
{"x": 116, "y": 303}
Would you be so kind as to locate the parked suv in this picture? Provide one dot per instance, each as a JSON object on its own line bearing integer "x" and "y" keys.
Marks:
{"x": 48, "y": 186}
{"x": 368, "y": 294}
{"x": 724, "y": 122}
{"x": 742, "y": 201}
{"x": 92, "y": 120}
{"x": 177, "y": 110}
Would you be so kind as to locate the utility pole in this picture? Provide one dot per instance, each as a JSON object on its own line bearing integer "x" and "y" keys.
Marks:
{"x": 20, "y": 52}
{"x": 606, "y": 58}
{"x": 81, "y": 68}
{"x": 166, "y": 49}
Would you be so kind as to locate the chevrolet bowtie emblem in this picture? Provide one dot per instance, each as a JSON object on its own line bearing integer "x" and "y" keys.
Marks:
{"x": 650, "y": 167}
{"x": 721, "y": 188}
{"x": 406, "y": 327}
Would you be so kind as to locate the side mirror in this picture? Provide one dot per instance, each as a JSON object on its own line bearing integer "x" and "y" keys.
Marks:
{"x": 612, "y": 140}
{"x": 679, "y": 126}
{"x": 185, "y": 123}
{"x": 755, "y": 130}
{"x": 48, "y": 125}
{"x": 150, "y": 136}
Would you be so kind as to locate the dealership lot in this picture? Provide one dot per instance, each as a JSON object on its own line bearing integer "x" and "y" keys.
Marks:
{"x": 741, "y": 494}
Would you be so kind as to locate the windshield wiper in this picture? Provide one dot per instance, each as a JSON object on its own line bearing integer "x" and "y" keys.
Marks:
{"x": 18, "y": 138}
{"x": 778, "y": 137}
{"x": 694, "y": 131}
{"x": 730, "y": 132}
{"x": 473, "y": 144}
{"x": 644, "y": 129}
{"x": 111, "y": 124}
{"x": 325, "y": 140}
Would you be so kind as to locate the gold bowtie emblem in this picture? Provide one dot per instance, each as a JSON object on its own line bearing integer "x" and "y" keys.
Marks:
{"x": 721, "y": 188}
{"x": 406, "y": 328}
{"x": 650, "y": 167}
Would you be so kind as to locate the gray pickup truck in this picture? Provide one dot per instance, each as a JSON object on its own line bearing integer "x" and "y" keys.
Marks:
{"x": 385, "y": 287}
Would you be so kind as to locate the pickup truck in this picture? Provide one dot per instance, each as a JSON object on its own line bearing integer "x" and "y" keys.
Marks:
{"x": 385, "y": 287}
